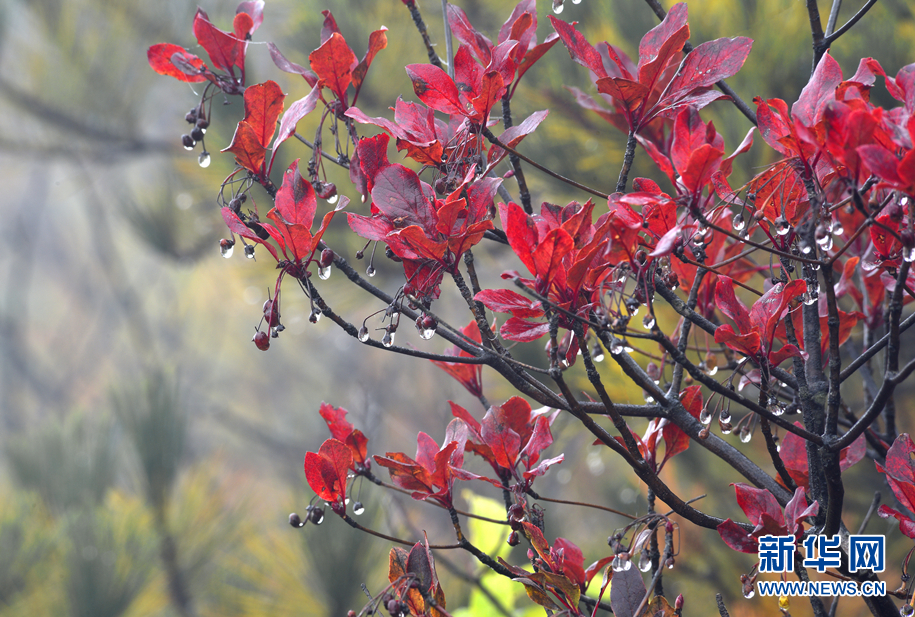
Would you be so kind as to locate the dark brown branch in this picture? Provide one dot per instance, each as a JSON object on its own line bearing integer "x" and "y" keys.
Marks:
{"x": 421, "y": 26}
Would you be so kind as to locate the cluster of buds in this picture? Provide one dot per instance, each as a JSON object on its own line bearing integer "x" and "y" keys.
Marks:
{"x": 197, "y": 117}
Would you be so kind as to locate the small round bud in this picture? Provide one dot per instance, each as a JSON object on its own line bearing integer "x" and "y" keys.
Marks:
{"x": 327, "y": 258}
{"x": 441, "y": 186}
{"x": 235, "y": 205}
{"x": 188, "y": 142}
{"x": 203, "y": 123}
{"x": 514, "y": 539}
{"x": 295, "y": 520}
{"x": 678, "y": 603}
{"x": 197, "y": 133}
{"x": 191, "y": 116}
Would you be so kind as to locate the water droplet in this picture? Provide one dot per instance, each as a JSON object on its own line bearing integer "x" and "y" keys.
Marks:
{"x": 627, "y": 347}
{"x": 781, "y": 226}
{"x": 748, "y": 591}
{"x": 363, "y": 335}
{"x": 808, "y": 299}
{"x": 388, "y": 339}
{"x": 204, "y": 159}
{"x": 362, "y": 198}
{"x": 783, "y": 603}
{"x": 648, "y": 322}
{"x": 557, "y": 6}
{"x": 705, "y": 416}
{"x": 597, "y": 354}
{"x": 724, "y": 416}
{"x": 249, "y": 251}
{"x": 333, "y": 199}
{"x": 907, "y": 610}
{"x": 576, "y": 1}
{"x": 318, "y": 516}
{"x": 712, "y": 371}
{"x": 670, "y": 563}
{"x": 825, "y": 242}
{"x": 427, "y": 333}
{"x": 739, "y": 222}
{"x": 616, "y": 347}
{"x": 745, "y": 433}
{"x": 648, "y": 398}
{"x": 621, "y": 562}
{"x": 370, "y": 271}
{"x": 909, "y": 254}
{"x": 836, "y": 228}
{"x": 645, "y": 562}
{"x": 804, "y": 246}
{"x": 701, "y": 230}
{"x": 324, "y": 273}
{"x": 226, "y": 247}
{"x": 358, "y": 508}
{"x": 315, "y": 316}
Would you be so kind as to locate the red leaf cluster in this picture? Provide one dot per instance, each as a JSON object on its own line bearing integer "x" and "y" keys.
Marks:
{"x": 763, "y": 511}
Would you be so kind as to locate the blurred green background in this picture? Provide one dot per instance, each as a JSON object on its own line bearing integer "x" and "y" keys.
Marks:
{"x": 151, "y": 453}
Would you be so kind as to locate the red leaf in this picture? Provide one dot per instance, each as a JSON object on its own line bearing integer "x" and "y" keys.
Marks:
{"x": 703, "y": 162}
{"x": 327, "y": 470}
{"x": 263, "y": 106}
{"x": 464, "y": 32}
{"x": 727, "y": 303}
{"x": 708, "y": 63}
{"x": 296, "y": 112}
{"x": 573, "y": 560}
{"x": 906, "y": 525}
{"x": 521, "y": 233}
{"x": 507, "y": 301}
{"x": 691, "y": 399}
{"x": 242, "y": 26}
{"x": 290, "y": 67}
{"x": 469, "y": 375}
{"x": 651, "y": 45}
{"x": 580, "y": 49}
{"x": 820, "y": 90}
{"x": 504, "y": 442}
{"x": 247, "y": 148}
{"x": 161, "y": 56}
{"x": 671, "y": 33}
{"x": 542, "y": 468}
{"x": 334, "y": 62}
{"x": 737, "y": 538}
{"x": 434, "y": 88}
{"x": 540, "y": 439}
{"x": 222, "y": 47}
{"x": 491, "y": 90}
{"x": 329, "y": 27}
{"x": 335, "y": 417}
{"x": 756, "y": 501}
{"x": 512, "y": 136}
{"x": 378, "y": 40}
{"x": 796, "y": 510}
{"x": 900, "y": 470}
{"x": 357, "y": 443}
{"x": 296, "y": 201}
{"x": 400, "y": 195}
{"x": 516, "y": 329}
{"x": 254, "y": 8}
{"x": 550, "y": 252}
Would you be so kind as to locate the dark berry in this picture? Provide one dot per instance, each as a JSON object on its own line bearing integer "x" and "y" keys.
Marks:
{"x": 295, "y": 520}
{"x": 203, "y": 123}
{"x": 262, "y": 340}
{"x": 197, "y": 133}
{"x": 327, "y": 258}
{"x": 187, "y": 141}
{"x": 191, "y": 116}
